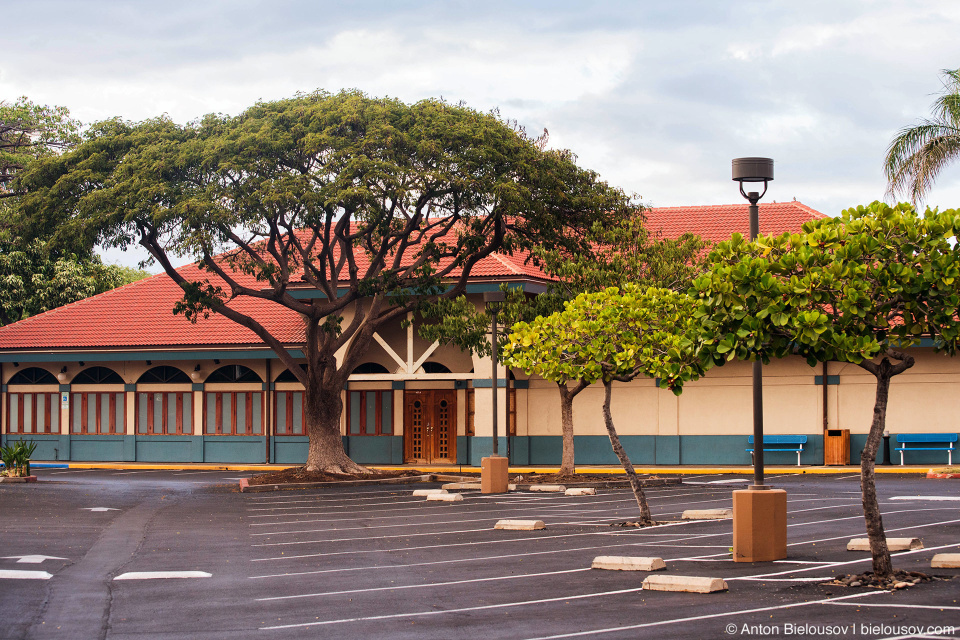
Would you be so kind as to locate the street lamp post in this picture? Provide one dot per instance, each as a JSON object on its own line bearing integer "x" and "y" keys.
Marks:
{"x": 494, "y": 469}
{"x": 755, "y": 170}
{"x": 759, "y": 512}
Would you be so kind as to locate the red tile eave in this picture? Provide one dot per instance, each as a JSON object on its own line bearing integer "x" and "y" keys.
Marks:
{"x": 139, "y": 316}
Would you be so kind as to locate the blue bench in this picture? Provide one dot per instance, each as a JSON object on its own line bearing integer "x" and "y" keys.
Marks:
{"x": 793, "y": 444}
{"x": 925, "y": 442}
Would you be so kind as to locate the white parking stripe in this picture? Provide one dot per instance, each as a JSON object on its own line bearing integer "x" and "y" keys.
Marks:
{"x": 708, "y": 616}
{"x": 378, "y": 536}
{"x": 161, "y": 575}
{"x": 17, "y": 574}
{"x": 425, "y": 586}
{"x": 394, "y": 616}
{"x": 902, "y": 606}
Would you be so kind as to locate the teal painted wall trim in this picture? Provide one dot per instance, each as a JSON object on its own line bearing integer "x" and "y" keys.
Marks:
{"x": 521, "y": 384}
{"x": 463, "y": 449}
{"x": 459, "y": 384}
{"x": 374, "y": 449}
{"x": 3, "y": 388}
{"x": 129, "y": 387}
{"x": 196, "y": 386}
{"x": 98, "y": 448}
{"x": 482, "y": 446}
{"x": 64, "y": 387}
{"x": 519, "y": 449}
{"x": 64, "y": 450}
{"x": 233, "y": 448}
{"x": 818, "y": 380}
{"x": 398, "y": 385}
{"x": 289, "y": 449}
{"x": 667, "y": 449}
{"x": 487, "y": 383}
{"x": 48, "y": 444}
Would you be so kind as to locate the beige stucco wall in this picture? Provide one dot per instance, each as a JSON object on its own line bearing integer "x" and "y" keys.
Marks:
{"x": 925, "y": 398}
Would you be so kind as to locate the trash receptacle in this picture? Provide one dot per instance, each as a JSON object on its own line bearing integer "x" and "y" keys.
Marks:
{"x": 836, "y": 447}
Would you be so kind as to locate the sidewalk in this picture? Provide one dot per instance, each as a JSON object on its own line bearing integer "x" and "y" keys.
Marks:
{"x": 693, "y": 470}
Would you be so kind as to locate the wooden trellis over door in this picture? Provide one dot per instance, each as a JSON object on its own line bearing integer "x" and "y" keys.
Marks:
{"x": 430, "y": 426}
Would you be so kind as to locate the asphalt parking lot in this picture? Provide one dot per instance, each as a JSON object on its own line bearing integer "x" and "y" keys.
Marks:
{"x": 87, "y": 554}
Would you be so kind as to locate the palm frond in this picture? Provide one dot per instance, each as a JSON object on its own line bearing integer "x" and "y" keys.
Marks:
{"x": 917, "y": 154}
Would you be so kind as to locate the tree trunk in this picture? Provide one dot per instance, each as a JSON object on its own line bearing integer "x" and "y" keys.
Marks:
{"x": 645, "y": 517}
{"x": 322, "y": 410}
{"x": 882, "y": 564}
{"x": 567, "y": 465}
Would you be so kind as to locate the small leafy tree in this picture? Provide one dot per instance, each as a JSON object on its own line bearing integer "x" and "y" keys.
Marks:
{"x": 341, "y": 212}
{"x": 622, "y": 252}
{"x": 613, "y": 335}
{"x": 859, "y": 288}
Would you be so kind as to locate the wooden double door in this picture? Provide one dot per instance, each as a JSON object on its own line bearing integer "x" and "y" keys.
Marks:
{"x": 430, "y": 426}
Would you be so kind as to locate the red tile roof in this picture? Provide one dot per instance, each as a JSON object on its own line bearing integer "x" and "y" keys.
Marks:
{"x": 718, "y": 222}
{"x": 140, "y": 315}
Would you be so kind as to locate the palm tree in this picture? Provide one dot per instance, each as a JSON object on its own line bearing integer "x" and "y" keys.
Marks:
{"x": 917, "y": 154}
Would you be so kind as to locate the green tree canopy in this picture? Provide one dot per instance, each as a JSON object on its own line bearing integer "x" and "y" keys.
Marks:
{"x": 373, "y": 205}
{"x": 614, "y": 335}
{"x": 859, "y": 288}
{"x": 29, "y": 131}
{"x": 917, "y": 154}
{"x": 621, "y": 252}
{"x": 34, "y": 282}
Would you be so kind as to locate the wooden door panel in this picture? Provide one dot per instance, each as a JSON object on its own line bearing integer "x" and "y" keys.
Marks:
{"x": 430, "y": 426}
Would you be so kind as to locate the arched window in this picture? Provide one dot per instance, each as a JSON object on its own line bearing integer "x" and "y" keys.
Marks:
{"x": 370, "y": 367}
{"x": 287, "y": 375}
{"x": 164, "y": 375}
{"x": 33, "y": 375}
{"x": 234, "y": 373}
{"x": 33, "y": 412}
{"x": 97, "y": 375}
{"x": 434, "y": 367}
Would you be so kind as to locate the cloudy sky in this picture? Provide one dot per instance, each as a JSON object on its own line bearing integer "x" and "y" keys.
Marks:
{"x": 656, "y": 96}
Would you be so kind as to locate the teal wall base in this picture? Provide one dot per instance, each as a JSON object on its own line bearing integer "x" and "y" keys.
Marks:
{"x": 482, "y": 446}
{"x": 523, "y": 450}
{"x": 375, "y": 449}
{"x": 48, "y": 444}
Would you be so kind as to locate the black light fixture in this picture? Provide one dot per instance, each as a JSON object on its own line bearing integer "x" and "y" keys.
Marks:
{"x": 16, "y": 364}
{"x": 755, "y": 170}
{"x": 197, "y": 368}
{"x": 149, "y": 363}
{"x": 82, "y": 363}
{"x": 216, "y": 361}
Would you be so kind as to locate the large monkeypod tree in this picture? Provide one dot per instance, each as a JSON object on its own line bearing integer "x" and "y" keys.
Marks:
{"x": 859, "y": 288}
{"x": 343, "y": 210}
{"x": 614, "y": 335}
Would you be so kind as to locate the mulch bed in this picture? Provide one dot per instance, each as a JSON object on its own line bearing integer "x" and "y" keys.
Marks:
{"x": 299, "y": 475}
{"x": 900, "y": 580}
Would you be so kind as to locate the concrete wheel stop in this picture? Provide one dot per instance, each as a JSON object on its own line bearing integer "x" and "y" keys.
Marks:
{"x": 445, "y": 497}
{"x": 893, "y": 544}
{"x": 707, "y": 514}
{"x": 689, "y": 584}
{"x": 627, "y": 563}
{"x": 520, "y": 525}
{"x": 945, "y": 561}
